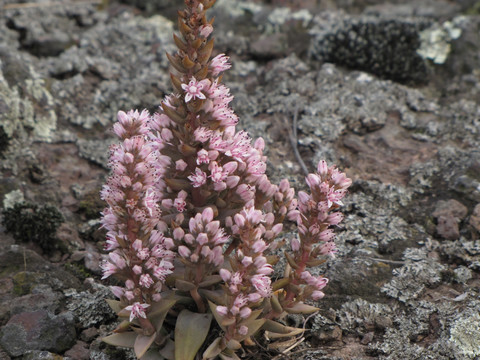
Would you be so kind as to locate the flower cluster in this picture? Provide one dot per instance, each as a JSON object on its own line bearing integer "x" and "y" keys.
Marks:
{"x": 139, "y": 252}
{"x": 317, "y": 217}
{"x": 192, "y": 214}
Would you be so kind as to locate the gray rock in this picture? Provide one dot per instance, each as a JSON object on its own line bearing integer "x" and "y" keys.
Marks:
{"x": 90, "y": 307}
{"x": 38, "y": 330}
{"x": 115, "y": 66}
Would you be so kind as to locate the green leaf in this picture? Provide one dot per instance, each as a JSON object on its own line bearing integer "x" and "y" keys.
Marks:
{"x": 125, "y": 339}
{"x": 190, "y": 333}
{"x": 142, "y": 344}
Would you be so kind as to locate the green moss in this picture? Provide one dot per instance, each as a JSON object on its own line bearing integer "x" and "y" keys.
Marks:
{"x": 78, "y": 270}
{"x": 91, "y": 205}
{"x": 29, "y": 222}
{"x": 23, "y": 283}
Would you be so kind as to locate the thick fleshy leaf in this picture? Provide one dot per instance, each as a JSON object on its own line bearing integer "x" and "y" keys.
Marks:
{"x": 159, "y": 311}
{"x": 172, "y": 114}
{"x": 183, "y": 285}
{"x": 124, "y": 313}
{"x": 153, "y": 354}
{"x": 274, "y": 335}
{"x": 179, "y": 42}
{"x": 280, "y": 284}
{"x": 176, "y": 63}
{"x": 276, "y": 304}
{"x": 234, "y": 344}
{"x": 290, "y": 260}
{"x": 229, "y": 356}
{"x": 276, "y": 327}
{"x": 255, "y": 326}
{"x": 125, "y": 339}
{"x": 160, "y": 307}
{"x": 123, "y": 326}
{"x": 215, "y": 296}
{"x": 222, "y": 321}
{"x": 142, "y": 344}
{"x": 282, "y": 345}
{"x": 301, "y": 308}
{"x": 315, "y": 262}
{"x": 168, "y": 350}
{"x": 114, "y": 305}
{"x": 253, "y": 316}
{"x": 210, "y": 280}
{"x": 213, "y": 349}
{"x": 191, "y": 331}
{"x": 205, "y": 52}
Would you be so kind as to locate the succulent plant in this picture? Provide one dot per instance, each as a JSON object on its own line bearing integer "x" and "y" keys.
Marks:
{"x": 193, "y": 220}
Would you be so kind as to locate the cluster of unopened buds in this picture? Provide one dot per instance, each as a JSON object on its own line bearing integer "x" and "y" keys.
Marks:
{"x": 193, "y": 220}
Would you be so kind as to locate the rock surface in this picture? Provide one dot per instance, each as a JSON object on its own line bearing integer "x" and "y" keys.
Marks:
{"x": 389, "y": 91}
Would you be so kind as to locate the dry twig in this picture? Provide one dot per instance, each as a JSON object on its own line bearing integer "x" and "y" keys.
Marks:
{"x": 292, "y": 134}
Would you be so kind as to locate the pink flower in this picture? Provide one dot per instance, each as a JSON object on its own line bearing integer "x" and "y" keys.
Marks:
{"x": 245, "y": 312}
{"x": 217, "y": 173}
{"x": 225, "y": 274}
{"x": 178, "y": 233}
{"x": 295, "y": 244}
{"x": 194, "y": 89}
{"x": 183, "y": 251}
{"x": 137, "y": 269}
{"x": 145, "y": 281}
{"x": 317, "y": 295}
{"x": 137, "y": 310}
{"x": 117, "y": 291}
{"x": 205, "y": 30}
{"x": 259, "y": 246}
{"x": 202, "y": 134}
{"x": 219, "y": 63}
{"x": 254, "y": 297}
{"x": 243, "y": 330}
{"x": 129, "y": 284}
{"x": 129, "y": 295}
{"x": 262, "y": 284}
{"x": 202, "y": 157}
{"x": 108, "y": 269}
{"x": 199, "y": 178}
{"x": 335, "y": 218}
{"x": 222, "y": 310}
{"x": 118, "y": 260}
{"x": 180, "y": 165}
